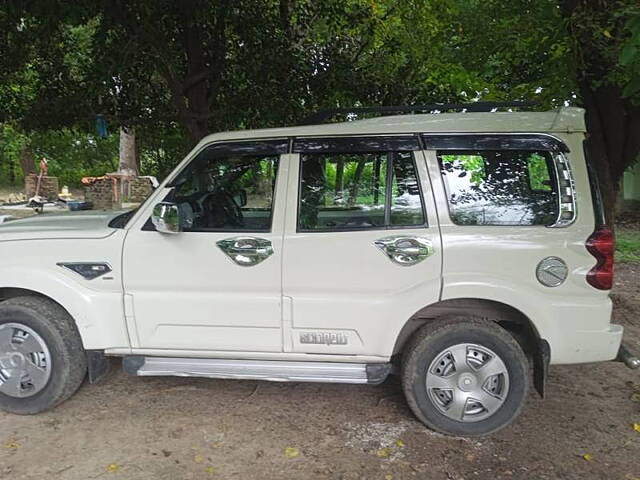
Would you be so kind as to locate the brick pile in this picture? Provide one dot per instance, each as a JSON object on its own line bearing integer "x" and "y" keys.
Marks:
{"x": 48, "y": 186}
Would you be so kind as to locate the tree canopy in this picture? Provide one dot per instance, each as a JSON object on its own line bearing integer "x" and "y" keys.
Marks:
{"x": 178, "y": 70}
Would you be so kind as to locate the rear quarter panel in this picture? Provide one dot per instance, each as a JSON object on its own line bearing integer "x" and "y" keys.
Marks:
{"x": 499, "y": 263}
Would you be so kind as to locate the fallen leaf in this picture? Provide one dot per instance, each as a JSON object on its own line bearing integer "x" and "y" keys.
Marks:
{"x": 635, "y": 397}
{"x": 383, "y": 452}
{"x": 291, "y": 452}
{"x": 588, "y": 457}
{"x": 198, "y": 459}
{"x": 636, "y": 427}
{"x": 388, "y": 476}
{"x": 400, "y": 443}
{"x": 113, "y": 468}
{"x": 12, "y": 445}
{"x": 607, "y": 34}
{"x": 211, "y": 470}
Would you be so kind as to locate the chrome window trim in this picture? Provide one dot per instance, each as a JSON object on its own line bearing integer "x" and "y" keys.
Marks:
{"x": 566, "y": 192}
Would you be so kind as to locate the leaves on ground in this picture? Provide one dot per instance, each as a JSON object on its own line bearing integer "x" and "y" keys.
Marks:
{"x": 291, "y": 452}
{"x": 588, "y": 457}
{"x": 636, "y": 427}
{"x": 113, "y": 468}
{"x": 383, "y": 452}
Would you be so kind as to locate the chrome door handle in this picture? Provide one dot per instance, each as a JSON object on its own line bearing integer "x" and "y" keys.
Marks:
{"x": 246, "y": 251}
{"x": 405, "y": 250}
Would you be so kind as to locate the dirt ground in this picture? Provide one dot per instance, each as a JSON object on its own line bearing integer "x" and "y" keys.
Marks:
{"x": 174, "y": 428}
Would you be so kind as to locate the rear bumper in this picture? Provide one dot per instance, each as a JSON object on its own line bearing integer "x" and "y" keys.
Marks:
{"x": 588, "y": 346}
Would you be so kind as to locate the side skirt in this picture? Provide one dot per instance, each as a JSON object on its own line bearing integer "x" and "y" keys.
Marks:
{"x": 271, "y": 370}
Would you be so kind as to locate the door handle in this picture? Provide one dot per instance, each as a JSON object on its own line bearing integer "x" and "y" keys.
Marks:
{"x": 246, "y": 251}
{"x": 405, "y": 250}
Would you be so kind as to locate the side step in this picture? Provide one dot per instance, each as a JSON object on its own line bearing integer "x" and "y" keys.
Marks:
{"x": 271, "y": 370}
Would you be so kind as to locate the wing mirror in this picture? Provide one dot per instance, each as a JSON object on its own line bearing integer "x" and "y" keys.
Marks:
{"x": 166, "y": 217}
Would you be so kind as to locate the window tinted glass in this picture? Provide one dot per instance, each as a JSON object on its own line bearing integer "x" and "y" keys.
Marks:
{"x": 406, "y": 201}
{"x": 227, "y": 192}
{"x": 358, "y": 190}
{"x": 500, "y": 187}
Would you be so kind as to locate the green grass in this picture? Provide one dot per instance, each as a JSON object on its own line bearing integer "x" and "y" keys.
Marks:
{"x": 628, "y": 246}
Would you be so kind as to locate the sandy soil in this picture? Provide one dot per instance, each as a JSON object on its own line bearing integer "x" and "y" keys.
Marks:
{"x": 171, "y": 428}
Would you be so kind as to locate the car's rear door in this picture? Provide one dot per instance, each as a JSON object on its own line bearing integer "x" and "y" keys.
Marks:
{"x": 362, "y": 250}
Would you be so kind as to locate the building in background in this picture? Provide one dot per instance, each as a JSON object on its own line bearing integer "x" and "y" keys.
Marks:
{"x": 630, "y": 191}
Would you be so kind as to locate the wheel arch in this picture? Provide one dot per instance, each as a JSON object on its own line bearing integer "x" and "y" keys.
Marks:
{"x": 508, "y": 317}
{"x": 98, "y": 316}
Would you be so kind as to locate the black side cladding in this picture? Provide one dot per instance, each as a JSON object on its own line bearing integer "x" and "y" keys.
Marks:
{"x": 377, "y": 372}
{"x": 132, "y": 363}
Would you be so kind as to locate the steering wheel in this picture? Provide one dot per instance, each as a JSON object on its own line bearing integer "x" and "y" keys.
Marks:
{"x": 221, "y": 211}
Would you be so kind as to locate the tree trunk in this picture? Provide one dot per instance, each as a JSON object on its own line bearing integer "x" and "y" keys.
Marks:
{"x": 26, "y": 160}
{"x": 340, "y": 179}
{"x": 198, "y": 112}
{"x": 613, "y": 122}
{"x": 128, "y": 162}
{"x": 355, "y": 186}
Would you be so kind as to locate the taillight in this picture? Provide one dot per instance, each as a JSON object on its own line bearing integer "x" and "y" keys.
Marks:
{"x": 601, "y": 244}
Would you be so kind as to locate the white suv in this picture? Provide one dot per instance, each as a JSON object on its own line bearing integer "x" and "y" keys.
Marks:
{"x": 456, "y": 247}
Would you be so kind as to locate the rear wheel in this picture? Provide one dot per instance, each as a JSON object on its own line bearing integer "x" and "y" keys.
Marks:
{"x": 42, "y": 361}
{"x": 465, "y": 376}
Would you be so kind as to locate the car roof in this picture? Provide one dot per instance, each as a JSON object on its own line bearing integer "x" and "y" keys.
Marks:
{"x": 565, "y": 119}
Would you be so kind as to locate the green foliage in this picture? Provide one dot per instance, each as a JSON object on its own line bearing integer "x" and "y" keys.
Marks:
{"x": 538, "y": 171}
{"x": 11, "y": 144}
{"x": 72, "y": 154}
{"x": 468, "y": 163}
{"x": 628, "y": 246}
{"x": 630, "y": 57}
{"x": 178, "y": 70}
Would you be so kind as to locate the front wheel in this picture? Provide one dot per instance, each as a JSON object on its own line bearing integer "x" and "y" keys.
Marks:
{"x": 42, "y": 360}
{"x": 465, "y": 376}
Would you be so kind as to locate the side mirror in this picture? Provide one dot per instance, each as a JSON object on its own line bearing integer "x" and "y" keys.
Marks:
{"x": 241, "y": 198}
{"x": 166, "y": 218}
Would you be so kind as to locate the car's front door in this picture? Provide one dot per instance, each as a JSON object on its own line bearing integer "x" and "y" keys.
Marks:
{"x": 362, "y": 248}
{"x": 217, "y": 285}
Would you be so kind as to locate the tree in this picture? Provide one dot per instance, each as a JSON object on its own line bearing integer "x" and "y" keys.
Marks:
{"x": 168, "y": 68}
{"x": 608, "y": 83}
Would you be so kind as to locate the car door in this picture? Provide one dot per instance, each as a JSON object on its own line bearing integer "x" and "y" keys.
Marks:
{"x": 215, "y": 286}
{"x": 362, "y": 248}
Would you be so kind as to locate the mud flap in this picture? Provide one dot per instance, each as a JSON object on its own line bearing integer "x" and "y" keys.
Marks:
{"x": 541, "y": 358}
{"x": 97, "y": 364}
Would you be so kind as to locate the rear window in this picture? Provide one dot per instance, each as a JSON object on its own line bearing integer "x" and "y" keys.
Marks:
{"x": 500, "y": 187}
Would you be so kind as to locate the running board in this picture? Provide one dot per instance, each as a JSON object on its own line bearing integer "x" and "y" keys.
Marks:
{"x": 271, "y": 370}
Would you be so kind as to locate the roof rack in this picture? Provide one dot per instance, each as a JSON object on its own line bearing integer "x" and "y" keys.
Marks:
{"x": 323, "y": 115}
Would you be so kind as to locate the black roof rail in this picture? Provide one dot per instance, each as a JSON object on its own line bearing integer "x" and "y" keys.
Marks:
{"x": 323, "y": 115}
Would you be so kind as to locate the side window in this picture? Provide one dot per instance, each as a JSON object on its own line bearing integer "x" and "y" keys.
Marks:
{"x": 227, "y": 192}
{"x": 346, "y": 191}
{"x": 500, "y": 187}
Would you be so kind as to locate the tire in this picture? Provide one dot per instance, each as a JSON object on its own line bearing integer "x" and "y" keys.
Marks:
{"x": 60, "y": 362}
{"x": 459, "y": 354}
